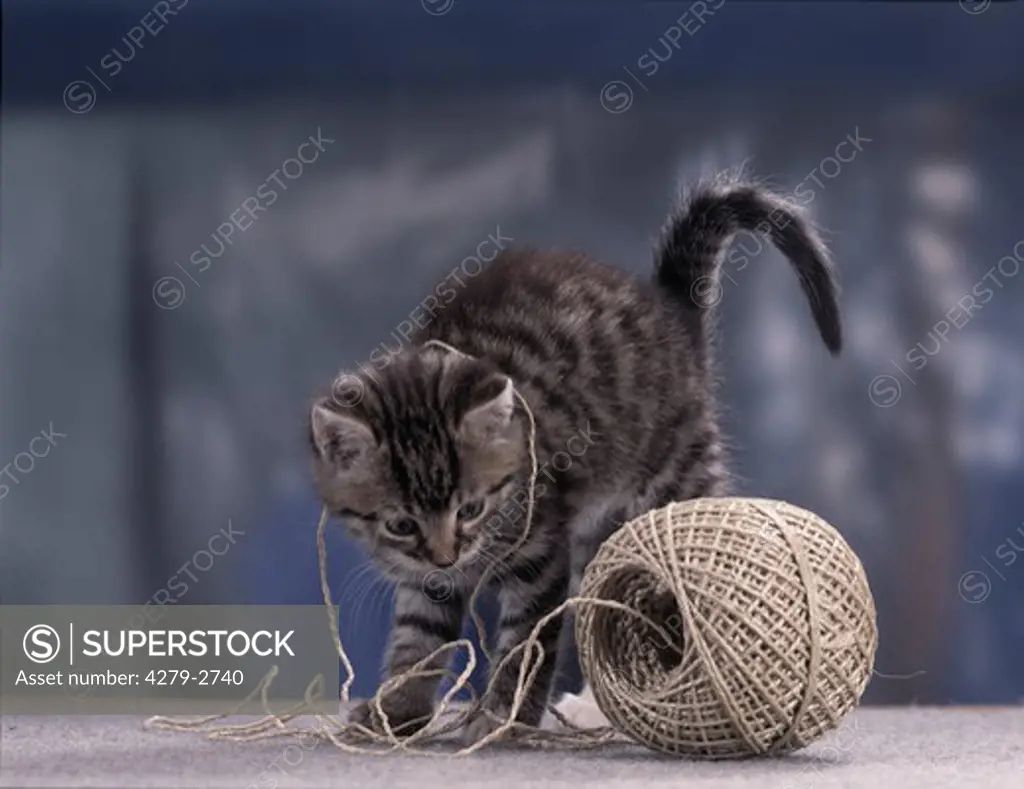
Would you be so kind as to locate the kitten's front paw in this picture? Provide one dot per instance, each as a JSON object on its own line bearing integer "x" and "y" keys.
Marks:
{"x": 480, "y": 725}
{"x": 405, "y": 716}
{"x": 488, "y": 718}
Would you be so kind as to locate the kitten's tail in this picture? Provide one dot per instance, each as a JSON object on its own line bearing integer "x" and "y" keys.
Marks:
{"x": 690, "y": 254}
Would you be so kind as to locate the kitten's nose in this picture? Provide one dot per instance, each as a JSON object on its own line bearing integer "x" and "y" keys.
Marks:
{"x": 443, "y": 555}
{"x": 444, "y": 544}
{"x": 449, "y": 554}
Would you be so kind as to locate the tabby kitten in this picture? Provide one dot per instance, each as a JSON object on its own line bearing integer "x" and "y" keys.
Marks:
{"x": 429, "y": 465}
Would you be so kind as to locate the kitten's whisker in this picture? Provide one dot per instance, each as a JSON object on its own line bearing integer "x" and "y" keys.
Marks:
{"x": 368, "y": 592}
{"x": 355, "y": 609}
{"x": 355, "y": 587}
{"x": 353, "y": 579}
{"x": 380, "y": 590}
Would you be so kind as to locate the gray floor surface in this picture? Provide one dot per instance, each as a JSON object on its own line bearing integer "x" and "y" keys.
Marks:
{"x": 876, "y": 748}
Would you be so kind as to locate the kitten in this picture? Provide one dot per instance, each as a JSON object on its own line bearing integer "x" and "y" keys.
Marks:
{"x": 430, "y": 466}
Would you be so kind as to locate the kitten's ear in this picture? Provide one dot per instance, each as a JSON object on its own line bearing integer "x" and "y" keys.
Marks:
{"x": 339, "y": 438}
{"x": 493, "y": 405}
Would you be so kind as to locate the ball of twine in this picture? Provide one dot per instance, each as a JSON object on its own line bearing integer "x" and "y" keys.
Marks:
{"x": 752, "y": 628}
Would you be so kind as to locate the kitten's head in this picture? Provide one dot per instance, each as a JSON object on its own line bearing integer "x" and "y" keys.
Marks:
{"x": 417, "y": 455}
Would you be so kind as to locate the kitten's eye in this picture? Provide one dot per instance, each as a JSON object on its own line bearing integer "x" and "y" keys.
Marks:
{"x": 402, "y": 527}
{"x": 470, "y": 510}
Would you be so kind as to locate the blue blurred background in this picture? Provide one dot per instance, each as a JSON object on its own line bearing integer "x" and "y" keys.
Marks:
{"x": 156, "y": 376}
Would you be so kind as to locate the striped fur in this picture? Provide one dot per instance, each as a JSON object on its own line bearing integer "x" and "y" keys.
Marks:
{"x": 619, "y": 377}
